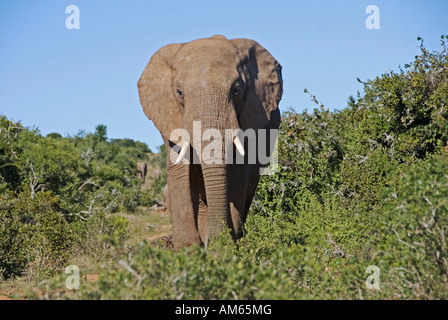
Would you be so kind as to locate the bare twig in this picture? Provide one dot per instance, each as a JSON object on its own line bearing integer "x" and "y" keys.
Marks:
{"x": 338, "y": 249}
{"x": 132, "y": 271}
{"x": 90, "y": 211}
{"x": 398, "y": 237}
{"x": 34, "y": 184}
{"x": 87, "y": 182}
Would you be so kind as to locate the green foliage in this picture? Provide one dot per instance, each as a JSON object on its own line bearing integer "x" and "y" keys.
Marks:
{"x": 155, "y": 273}
{"x": 54, "y": 135}
{"x": 55, "y": 189}
{"x": 10, "y": 172}
{"x": 414, "y": 230}
{"x": 160, "y": 162}
{"x": 100, "y": 133}
{"x": 100, "y": 235}
{"x": 33, "y": 233}
{"x": 136, "y": 149}
{"x": 408, "y": 110}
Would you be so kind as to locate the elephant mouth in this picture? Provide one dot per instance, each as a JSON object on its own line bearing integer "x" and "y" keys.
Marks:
{"x": 228, "y": 147}
{"x": 185, "y": 146}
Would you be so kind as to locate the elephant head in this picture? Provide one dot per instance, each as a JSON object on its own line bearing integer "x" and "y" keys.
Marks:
{"x": 221, "y": 84}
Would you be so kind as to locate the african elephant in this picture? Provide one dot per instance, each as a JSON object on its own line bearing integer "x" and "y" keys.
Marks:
{"x": 166, "y": 202}
{"x": 157, "y": 173}
{"x": 222, "y": 85}
{"x": 142, "y": 168}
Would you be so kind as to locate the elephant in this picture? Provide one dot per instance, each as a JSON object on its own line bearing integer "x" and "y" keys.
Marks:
{"x": 222, "y": 84}
{"x": 157, "y": 173}
{"x": 142, "y": 168}
{"x": 166, "y": 202}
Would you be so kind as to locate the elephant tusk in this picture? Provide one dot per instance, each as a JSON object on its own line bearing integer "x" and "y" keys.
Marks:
{"x": 182, "y": 152}
{"x": 239, "y": 145}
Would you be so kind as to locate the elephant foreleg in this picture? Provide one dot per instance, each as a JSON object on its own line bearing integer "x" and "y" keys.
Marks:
{"x": 185, "y": 231}
{"x": 240, "y": 188}
{"x": 203, "y": 222}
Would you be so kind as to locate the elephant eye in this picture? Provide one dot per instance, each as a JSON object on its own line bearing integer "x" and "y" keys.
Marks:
{"x": 238, "y": 87}
{"x": 180, "y": 93}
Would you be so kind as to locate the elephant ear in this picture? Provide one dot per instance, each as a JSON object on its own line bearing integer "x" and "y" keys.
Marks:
{"x": 265, "y": 87}
{"x": 156, "y": 95}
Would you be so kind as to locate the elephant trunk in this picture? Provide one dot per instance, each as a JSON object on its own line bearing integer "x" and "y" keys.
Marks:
{"x": 215, "y": 180}
{"x": 216, "y": 113}
{"x": 214, "y": 172}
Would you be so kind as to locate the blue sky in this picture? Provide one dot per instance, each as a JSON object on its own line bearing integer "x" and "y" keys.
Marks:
{"x": 62, "y": 80}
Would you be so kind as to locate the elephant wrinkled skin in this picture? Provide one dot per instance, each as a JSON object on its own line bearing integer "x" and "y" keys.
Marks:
{"x": 224, "y": 84}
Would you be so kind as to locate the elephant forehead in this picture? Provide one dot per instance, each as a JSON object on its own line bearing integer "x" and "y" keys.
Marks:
{"x": 210, "y": 44}
{"x": 207, "y": 71}
{"x": 207, "y": 53}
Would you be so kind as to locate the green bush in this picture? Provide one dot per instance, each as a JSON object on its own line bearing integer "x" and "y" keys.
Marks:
{"x": 157, "y": 273}
{"x": 56, "y": 189}
{"x": 159, "y": 161}
{"x": 100, "y": 235}
{"x": 34, "y": 235}
{"x": 414, "y": 230}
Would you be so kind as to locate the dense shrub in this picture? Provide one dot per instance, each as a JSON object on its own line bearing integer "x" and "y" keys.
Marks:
{"x": 414, "y": 231}
{"x": 156, "y": 273}
{"x": 56, "y": 195}
{"x": 160, "y": 162}
{"x": 34, "y": 235}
